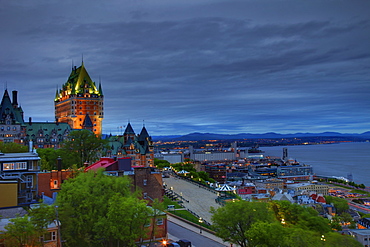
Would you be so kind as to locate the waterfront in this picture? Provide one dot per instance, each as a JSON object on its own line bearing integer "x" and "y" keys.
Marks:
{"x": 331, "y": 159}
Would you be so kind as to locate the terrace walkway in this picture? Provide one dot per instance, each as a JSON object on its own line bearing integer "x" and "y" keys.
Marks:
{"x": 197, "y": 199}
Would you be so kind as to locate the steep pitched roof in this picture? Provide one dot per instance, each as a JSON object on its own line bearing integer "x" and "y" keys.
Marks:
{"x": 129, "y": 129}
{"x": 7, "y": 108}
{"x": 78, "y": 81}
{"x": 143, "y": 134}
{"x": 49, "y": 129}
{"x": 87, "y": 122}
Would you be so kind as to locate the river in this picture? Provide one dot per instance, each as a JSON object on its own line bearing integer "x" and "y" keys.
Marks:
{"x": 338, "y": 160}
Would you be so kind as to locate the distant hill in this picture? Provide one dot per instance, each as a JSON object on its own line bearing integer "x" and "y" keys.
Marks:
{"x": 270, "y": 135}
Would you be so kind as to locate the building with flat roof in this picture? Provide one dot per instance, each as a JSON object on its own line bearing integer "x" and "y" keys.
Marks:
{"x": 18, "y": 178}
{"x": 361, "y": 235}
{"x": 310, "y": 187}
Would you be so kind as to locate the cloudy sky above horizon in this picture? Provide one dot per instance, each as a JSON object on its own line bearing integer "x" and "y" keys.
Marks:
{"x": 216, "y": 66}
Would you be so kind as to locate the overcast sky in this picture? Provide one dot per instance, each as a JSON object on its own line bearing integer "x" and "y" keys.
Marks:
{"x": 183, "y": 66}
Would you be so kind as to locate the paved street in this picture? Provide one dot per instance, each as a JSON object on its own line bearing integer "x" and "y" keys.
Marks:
{"x": 176, "y": 232}
{"x": 200, "y": 200}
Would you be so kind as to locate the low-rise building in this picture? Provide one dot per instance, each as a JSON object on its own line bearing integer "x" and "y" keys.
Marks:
{"x": 363, "y": 223}
{"x": 361, "y": 235}
{"x": 309, "y": 187}
{"x": 18, "y": 178}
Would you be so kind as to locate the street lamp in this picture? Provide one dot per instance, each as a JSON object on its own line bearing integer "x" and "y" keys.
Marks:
{"x": 323, "y": 238}
{"x": 200, "y": 227}
{"x": 59, "y": 241}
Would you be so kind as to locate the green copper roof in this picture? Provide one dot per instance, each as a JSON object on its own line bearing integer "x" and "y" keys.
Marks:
{"x": 79, "y": 82}
{"x": 48, "y": 129}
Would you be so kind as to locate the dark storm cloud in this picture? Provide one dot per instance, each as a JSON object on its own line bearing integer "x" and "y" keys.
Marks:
{"x": 206, "y": 66}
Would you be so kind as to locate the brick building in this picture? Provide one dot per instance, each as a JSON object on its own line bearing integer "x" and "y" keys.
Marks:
{"x": 80, "y": 102}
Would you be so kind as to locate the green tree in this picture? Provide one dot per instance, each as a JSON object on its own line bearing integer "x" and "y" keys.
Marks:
{"x": 340, "y": 204}
{"x": 266, "y": 234}
{"x": 334, "y": 239}
{"x": 21, "y": 232}
{"x": 303, "y": 238}
{"x": 160, "y": 164}
{"x": 27, "y": 230}
{"x": 124, "y": 221}
{"x": 233, "y": 221}
{"x": 96, "y": 209}
{"x": 85, "y": 146}
{"x": 49, "y": 158}
{"x": 295, "y": 215}
{"x": 156, "y": 212}
{"x": 11, "y": 147}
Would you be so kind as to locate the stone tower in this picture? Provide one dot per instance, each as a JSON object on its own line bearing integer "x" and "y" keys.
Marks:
{"x": 80, "y": 102}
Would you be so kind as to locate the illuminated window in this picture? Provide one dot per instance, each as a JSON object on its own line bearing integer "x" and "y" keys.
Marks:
{"x": 21, "y": 165}
{"x": 8, "y": 166}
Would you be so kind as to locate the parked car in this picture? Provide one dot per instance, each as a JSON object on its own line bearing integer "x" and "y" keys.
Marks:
{"x": 184, "y": 243}
{"x": 172, "y": 245}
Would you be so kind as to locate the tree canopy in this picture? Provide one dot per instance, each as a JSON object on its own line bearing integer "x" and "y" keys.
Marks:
{"x": 233, "y": 221}
{"x": 96, "y": 209}
{"x": 277, "y": 223}
{"x": 85, "y": 146}
{"x": 340, "y": 204}
{"x": 11, "y": 147}
{"x": 27, "y": 230}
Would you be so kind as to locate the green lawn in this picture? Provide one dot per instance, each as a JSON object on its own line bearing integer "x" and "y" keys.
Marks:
{"x": 188, "y": 216}
{"x": 167, "y": 201}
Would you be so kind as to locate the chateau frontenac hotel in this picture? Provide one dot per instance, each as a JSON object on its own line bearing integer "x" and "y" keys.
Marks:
{"x": 79, "y": 104}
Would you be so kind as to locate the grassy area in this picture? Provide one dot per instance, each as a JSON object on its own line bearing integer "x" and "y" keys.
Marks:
{"x": 360, "y": 192}
{"x": 167, "y": 201}
{"x": 182, "y": 213}
{"x": 188, "y": 216}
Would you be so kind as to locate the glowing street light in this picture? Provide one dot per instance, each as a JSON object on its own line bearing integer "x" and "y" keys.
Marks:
{"x": 200, "y": 227}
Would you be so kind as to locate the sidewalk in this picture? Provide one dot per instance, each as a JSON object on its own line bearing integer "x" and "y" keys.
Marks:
{"x": 199, "y": 200}
{"x": 190, "y": 227}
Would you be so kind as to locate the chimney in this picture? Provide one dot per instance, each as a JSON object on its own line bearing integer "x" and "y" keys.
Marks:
{"x": 30, "y": 121}
{"x": 30, "y": 147}
{"x": 15, "y": 101}
{"x": 59, "y": 163}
